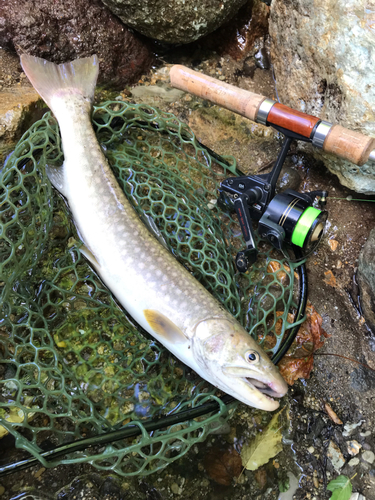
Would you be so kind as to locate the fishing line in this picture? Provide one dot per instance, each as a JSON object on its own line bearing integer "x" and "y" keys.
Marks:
{"x": 350, "y": 199}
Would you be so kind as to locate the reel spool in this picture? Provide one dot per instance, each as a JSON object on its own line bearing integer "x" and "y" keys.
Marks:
{"x": 287, "y": 220}
{"x": 297, "y": 222}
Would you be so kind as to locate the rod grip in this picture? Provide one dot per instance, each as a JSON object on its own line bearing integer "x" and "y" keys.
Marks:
{"x": 350, "y": 145}
{"x": 345, "y": 143}
{"x": 292, "y": 120}
{"x": 240, "y": 101}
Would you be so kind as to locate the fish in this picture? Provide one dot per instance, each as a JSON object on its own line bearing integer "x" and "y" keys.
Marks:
{"x": 146, "y": 279}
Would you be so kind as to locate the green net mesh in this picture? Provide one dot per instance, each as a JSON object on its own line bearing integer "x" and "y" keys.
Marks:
{"x": 72, "y": 364}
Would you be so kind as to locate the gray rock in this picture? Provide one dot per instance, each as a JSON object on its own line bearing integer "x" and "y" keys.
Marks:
{"x": 180, "y": 21}
{"x": 63, "y": 31}
{"x": 362, "y": 380}
{"x": 322, "y": 53}
{"x": 366, "y": 279}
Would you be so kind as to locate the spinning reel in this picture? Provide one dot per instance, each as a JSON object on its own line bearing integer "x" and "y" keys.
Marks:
{"x": 286, "y": 220}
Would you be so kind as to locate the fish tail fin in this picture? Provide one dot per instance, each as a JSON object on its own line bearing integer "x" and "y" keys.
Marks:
{"x": 56, "y": 80}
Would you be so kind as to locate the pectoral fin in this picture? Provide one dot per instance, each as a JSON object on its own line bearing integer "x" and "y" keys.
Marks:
{"x": 164, "y": 327}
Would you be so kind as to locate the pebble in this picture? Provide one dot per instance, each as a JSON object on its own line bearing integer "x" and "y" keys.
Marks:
{"x": 357, "y": 496}
{"x": 365, "y": 434}
{"x": 311, "y": 449}
{"x": 353, "y": 447}
{"x": 2, "y": 489}
{"x": 353, "y": 462}
{"x": 368, "y": 456}
{"x": 175, "y": 489}
{"x": 335, "y": 455}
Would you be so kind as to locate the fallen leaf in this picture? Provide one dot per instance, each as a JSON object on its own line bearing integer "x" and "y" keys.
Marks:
{"x": 294, "y": 369}
{"x": 341, "y": 488}
{"x": 332, "y": 415}
{"x": 223, "y": 464}
{"x": 261, "y": 478}
{"x": 330, "y": 279}
{"x": 264, "y": 446}
{"x": 298, "y": 361}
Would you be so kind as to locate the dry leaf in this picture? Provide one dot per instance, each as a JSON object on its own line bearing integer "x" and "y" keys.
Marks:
{"x": 298, "y": 362}
{"x": 264, "y": 446}
{"x": 261, "y": 478}
{"x": 222, "y": 465}
{"x": 332, "y": 415}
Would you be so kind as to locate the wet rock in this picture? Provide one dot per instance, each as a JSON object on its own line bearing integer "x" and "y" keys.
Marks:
{"x": 19, "y": 108}
{"x": 322, "y": 51}
{"x": 63, "y": 31}
{"x": 243, "y": 36}
{"x": 289, "y": 179}
{"x": 10, "y": 69}
{"x": 366, "y": 279}
{"x": 362, "y": 379}
{"x": 174, "y": 22}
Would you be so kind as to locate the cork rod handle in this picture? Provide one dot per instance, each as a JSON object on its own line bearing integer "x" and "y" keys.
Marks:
{"x": 345, "y": 143}
{"x": 238, "y": 100}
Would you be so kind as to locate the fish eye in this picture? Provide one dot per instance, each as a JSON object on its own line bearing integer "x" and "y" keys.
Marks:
{"x": 252, "y": 356}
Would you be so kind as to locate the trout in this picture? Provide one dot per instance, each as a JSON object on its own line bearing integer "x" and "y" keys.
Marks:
{"x": 157, "y": 291}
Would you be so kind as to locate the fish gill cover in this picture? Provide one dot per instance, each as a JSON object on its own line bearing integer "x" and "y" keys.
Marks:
{"x": 72, "y": 364}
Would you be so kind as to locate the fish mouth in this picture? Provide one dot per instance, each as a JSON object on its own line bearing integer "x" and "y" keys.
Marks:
{"x": 268, "y": 389}
{"x": 257, "y": 389}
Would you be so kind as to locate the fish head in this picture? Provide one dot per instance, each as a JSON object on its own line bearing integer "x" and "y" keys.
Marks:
{"x": 237, "y": 364}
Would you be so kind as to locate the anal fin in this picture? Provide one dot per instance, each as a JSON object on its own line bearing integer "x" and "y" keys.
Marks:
{"x": 56, "y": 177}
{"x": 86, "y": 252}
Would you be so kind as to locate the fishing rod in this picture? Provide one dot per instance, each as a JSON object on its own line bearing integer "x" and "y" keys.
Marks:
{"x": 288, "y": 220}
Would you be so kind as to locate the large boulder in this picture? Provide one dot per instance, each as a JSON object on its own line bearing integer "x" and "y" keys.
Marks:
{"x": 177, "y": 22}
{"x": 63, "y": 31}
{"x": 323, "y": 53}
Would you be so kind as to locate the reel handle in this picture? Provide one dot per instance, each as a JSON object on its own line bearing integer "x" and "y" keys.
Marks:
{"x": 353, "y": 146}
